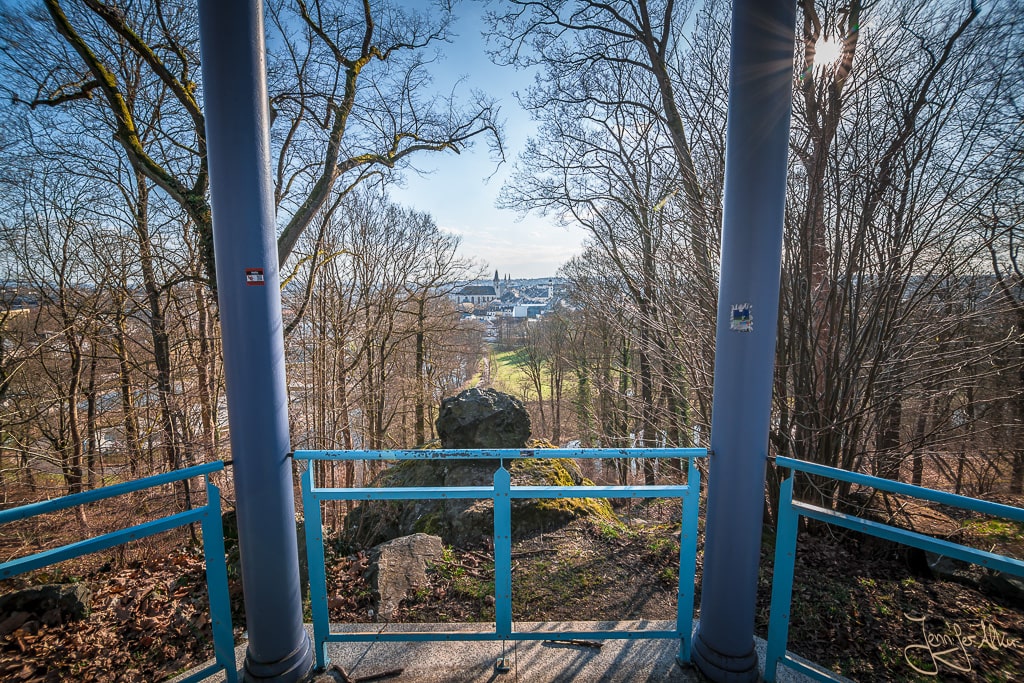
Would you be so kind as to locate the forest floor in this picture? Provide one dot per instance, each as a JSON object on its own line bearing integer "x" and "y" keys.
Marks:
{"x": 860, "y": 606}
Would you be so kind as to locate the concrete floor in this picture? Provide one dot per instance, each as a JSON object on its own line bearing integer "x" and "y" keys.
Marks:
{"x": 625, "y": 661}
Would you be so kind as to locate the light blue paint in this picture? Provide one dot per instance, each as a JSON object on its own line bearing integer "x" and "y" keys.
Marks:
{"x": 503, "y": 454}
{"x": 790, "y": 512}
{"x": 213, "y": 548}
{"x": 66, "y": 502}
{"x": 502, "y": 553}
{"x": 782, "y": 580}
{"x": 317, "y": 572}
{"x": 217, "y": 583}
{"x": 501, "y": 493}
{"x": 688, "y": 561}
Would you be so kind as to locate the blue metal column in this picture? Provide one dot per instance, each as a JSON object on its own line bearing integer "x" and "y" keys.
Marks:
{"x": 760, "y": 98}
{"x": 236, "y": 108}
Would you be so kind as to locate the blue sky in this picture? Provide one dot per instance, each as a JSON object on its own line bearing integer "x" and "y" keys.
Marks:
{"x": 457, "y": 191}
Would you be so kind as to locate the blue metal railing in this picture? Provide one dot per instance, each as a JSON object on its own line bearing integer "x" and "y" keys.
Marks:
{"x": 502, "y": 493}
{"x": 790, "y": 512}
{"x": 213, "y": 548}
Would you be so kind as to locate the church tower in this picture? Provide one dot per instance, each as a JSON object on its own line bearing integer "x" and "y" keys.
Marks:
{"x": 497, "y": 284}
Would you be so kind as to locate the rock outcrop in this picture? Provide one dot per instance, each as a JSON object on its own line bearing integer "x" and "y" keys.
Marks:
{"x": 49, "y": 604}
{"x": 399, "y": 566}
{"x": 474, "y": 419}
{"x": 483, "y": 418}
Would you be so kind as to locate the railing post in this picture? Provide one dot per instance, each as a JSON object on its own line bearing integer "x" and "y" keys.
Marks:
{"x": 688, "y": 560}
{"x": 502, "y": 553}
{"x": 315, "y": 561}
{"x": 217, "y": 583}
{"x": 782, "y": 579}
{"x": 757, "y": 148}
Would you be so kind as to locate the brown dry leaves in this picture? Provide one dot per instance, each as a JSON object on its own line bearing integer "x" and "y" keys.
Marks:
{"x": 149, "y": 621}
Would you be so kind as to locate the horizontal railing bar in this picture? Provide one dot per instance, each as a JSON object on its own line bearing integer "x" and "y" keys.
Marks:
{"x": 420, "y": 636}
{"x": 953, "y": 499}
{"x": 202, "y": 675}
{"x": 91, "y": 545}
{"x": 409, "y": 636}
{"x": 111, "y": 491}
{"x": 471, "y": 492}
{"x": 598, "y": 491}
{"x": 404, "y": 493}
{"x": 503, "y": 454}
{"x": 912, "y": 538}
{"x": 500, "y": 492}
{"x": 596, "y": 635}
{"x": 809, "y": 669}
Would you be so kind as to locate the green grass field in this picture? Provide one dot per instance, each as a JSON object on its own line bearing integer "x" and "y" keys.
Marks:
{"x": 510, "y": 374}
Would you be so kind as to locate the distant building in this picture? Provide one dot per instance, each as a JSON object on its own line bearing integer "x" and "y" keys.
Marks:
{"x": 478, "y": 295}
{"x": 528, "y": 310}
{"x": 514, "y": 300}
{"x": 16, "y": 299}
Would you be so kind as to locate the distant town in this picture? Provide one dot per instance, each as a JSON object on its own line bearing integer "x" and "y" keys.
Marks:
{"x": 505, "y": 301}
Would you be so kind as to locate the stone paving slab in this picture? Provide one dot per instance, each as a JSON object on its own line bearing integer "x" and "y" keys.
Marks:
{"x": 617, "y": 661}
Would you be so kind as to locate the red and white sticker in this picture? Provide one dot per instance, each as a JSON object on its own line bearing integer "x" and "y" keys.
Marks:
{"x": 254, "y": 276}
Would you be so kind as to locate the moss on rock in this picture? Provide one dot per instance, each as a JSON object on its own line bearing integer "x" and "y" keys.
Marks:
{"x": 471, "y": 522}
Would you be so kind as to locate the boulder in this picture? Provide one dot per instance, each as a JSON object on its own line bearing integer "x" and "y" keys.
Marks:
{"x": 943, "y": 567}
{"x": 399, "y": 566}
{"x": 50, "y": 604}
{"x": 468, "y": 523}
{"x": 483, "y": 418}
{"x": 1004, "y": 585}
{"x": 475, "y": 419}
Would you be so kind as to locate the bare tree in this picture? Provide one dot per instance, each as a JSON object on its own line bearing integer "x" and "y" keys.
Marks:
{"x": 348, "y": 100}
{"x": 583, "y": 43}
{"x": 46, "y": 241}
{"x": 621, "y": 93}
{"x": 428, "y": 301}
{"x": 1005, "y": 224}
{"x": 889, "y": 164}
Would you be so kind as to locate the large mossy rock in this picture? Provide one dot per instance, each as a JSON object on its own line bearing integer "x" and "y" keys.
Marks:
{"x": 483, "y": 418}
{"x": 467, "y": 523}
{"x": 475, "y": 419}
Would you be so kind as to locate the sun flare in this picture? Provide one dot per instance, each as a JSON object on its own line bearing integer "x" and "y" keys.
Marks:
{"x": 827, "y": 51}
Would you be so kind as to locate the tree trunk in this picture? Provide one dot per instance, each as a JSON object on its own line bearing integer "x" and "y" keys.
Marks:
{"x": 419, "y": 418}
{"x": 72, "y": 451}
{"x": 647, "y": 426}
{"x": 205, "y": 375}
{"x": 129, "y": 416}
{"x": 160, "y": 337}
{"x": 887, "y": 439}
{"x": 92, "y": 441}
{"x": 917, "y": 462}
{"x": 1017, "y": 472}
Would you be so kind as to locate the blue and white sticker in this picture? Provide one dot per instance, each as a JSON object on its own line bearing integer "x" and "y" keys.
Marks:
{"x": 741, "y": 319}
